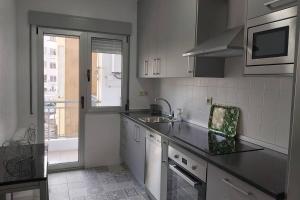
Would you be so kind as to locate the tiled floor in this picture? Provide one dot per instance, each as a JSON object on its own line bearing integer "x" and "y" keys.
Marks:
{"x": 55, "y": 157}
{"x": 105, "y": 183}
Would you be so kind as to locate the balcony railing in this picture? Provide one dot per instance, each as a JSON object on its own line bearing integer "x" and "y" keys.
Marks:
{"x": 61, "y": 119}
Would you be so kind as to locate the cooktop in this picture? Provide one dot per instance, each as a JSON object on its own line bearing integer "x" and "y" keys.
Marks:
{"x": 211, "y": 142}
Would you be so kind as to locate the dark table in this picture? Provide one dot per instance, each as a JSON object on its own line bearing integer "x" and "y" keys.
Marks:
{"x": 23, "y": 167}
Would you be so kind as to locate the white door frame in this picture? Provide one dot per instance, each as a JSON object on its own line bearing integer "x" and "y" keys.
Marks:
{"x": 37, "y": 37}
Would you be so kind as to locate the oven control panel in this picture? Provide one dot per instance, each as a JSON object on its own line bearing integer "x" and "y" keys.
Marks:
{"x": 188, "y": 161}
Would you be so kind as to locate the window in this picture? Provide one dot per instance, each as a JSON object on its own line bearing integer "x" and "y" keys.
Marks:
{"x": 52, "y": 65}
{"x": 52, "y": 52}
{"x": 45, "y": 78}
{"x": 107, "y": 84}
{"x": 52, "y": 78}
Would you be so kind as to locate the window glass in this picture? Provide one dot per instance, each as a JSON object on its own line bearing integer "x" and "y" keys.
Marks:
{"x": 106, "y": 73}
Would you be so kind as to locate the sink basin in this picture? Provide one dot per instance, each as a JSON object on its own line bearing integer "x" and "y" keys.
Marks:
{"x": 156, "y": 119}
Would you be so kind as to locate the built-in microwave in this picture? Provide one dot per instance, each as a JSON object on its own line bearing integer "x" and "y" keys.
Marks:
{"x": 271, "y": 43}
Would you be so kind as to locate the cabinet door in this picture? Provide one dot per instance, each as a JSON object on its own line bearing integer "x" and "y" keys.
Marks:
{"x": 123, "y": 140}
{"x": 229, "y": 187}
{"x": 131, "y": 135}
{"x": 181, "y": 36}
{"x": 258, "y": 8}
{"x": 148, "y": 48}
{"x": 151, "y": 39}
{"x": 139, "y": 154}
{"x": 160, "y": 38}
{"x": 143, "y": 59}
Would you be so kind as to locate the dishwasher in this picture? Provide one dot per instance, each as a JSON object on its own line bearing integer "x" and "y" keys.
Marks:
{"x": 153, "y": 167}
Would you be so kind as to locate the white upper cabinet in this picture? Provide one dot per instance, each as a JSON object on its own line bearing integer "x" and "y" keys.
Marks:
{"x": 166, "y": 29}
{"x": 258, "y": 8}
{"x": 181, "y": 29}
{"x": 169, "y": 28}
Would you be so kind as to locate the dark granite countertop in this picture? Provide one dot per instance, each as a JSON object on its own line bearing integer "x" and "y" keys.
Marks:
{"x": 22, "y": 163}
{"x": 264, "y": 169}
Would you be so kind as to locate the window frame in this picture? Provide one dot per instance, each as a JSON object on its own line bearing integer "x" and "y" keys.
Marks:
{"x": 125, "y": 69}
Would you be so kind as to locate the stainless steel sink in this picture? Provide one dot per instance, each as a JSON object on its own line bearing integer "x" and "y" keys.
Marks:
{"x": 156, "y": 119}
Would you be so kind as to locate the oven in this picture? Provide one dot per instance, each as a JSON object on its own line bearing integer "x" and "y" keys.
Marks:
{"x": 186, "y": 176}
{"x": 271, "y": 43}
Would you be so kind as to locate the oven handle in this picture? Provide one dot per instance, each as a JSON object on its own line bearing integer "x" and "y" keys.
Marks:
{"x": 182, "y": 175}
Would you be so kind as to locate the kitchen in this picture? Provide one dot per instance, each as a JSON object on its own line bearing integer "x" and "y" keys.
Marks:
{"x": 181, "y": 69}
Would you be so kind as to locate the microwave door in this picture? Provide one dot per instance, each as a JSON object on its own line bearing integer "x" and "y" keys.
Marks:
{"x": 272, "y": 44}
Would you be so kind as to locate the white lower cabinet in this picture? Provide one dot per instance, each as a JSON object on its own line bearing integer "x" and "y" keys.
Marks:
{"x": 132, "y": 148}
{"x": 223, "y": 186}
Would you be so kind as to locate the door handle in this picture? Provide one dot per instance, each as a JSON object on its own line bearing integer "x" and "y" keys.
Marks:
{"x": 88, "y": 74}
{"x": 82, "y": 102}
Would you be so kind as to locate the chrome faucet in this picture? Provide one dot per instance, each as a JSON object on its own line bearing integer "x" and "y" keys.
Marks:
{"x": 171, "y": 113}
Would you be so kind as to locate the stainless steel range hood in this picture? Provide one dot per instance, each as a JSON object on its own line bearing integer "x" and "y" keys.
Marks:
{"x": 228, "y": 44}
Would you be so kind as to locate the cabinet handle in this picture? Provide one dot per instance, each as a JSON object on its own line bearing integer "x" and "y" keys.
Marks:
{"x": 158, "y": 66}
{"x": 189, "y": 66}
{"x": 146, "y": 67}
{"x": 137, "y": 129}
{"x": 227, "y": 182}
{"x": 270, "y": 3}
{"x": 155, "y": 67}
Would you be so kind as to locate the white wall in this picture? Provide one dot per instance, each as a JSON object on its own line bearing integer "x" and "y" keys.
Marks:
{"x": 121, "y": 10}
{"x": 8, "y": 85}
{"x": 265, "y": 102}
{"x": 102, "y": 139}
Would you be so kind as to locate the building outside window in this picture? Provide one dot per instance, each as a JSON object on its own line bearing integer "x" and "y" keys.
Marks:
{"x": 52, "y": 39}
{"x": 52, "y": 78}
{"x": 45, "y": 78}
{"x": 52, "y": 65}
{"x": 52, "y": 52}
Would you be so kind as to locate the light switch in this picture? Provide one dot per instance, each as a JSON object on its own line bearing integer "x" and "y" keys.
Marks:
{"x": 209, "y": 100}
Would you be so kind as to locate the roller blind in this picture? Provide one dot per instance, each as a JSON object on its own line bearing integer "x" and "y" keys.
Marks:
{"x": 106, "y": 46}
{"x": 55, "y": 20}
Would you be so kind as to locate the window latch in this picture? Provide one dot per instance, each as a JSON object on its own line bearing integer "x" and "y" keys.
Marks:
{"x": 82, "y": 102}
{"x": 88, "y": 74}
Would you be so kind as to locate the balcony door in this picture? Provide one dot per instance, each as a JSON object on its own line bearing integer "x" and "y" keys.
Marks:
{"x": 61, "y": 96}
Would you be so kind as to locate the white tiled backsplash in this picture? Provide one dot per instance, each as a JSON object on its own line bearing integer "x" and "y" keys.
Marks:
{"x": 265, "y": 102}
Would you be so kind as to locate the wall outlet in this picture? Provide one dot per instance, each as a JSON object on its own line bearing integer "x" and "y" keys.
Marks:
{"x": 143, "y": 93}
{"x": 209, "y": 100}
